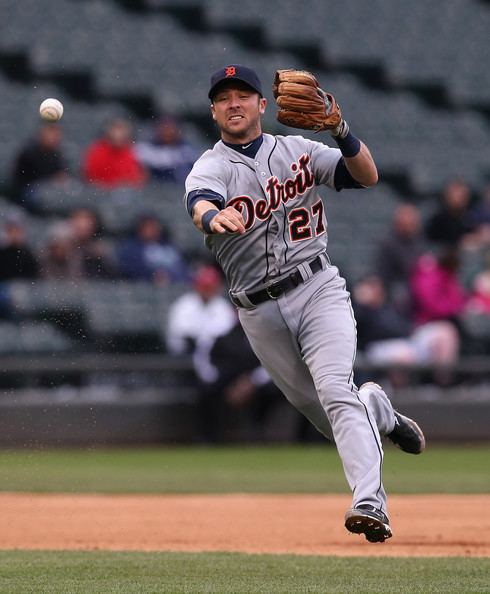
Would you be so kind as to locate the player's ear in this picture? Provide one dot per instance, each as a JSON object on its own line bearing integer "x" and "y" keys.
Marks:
{"x": 262, "y": 104}
{"x": 213, "y": 112}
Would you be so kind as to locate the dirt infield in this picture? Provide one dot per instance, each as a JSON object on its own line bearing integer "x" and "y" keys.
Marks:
{"x": 435, "y": 525}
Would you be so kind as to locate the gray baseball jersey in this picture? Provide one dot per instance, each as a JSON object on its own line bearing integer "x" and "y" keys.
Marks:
{"x": 305, "y": 338}
{"x": 277, "y": 196}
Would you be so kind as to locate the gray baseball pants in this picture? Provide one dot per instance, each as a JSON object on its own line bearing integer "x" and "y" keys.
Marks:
{"x": 306, "y": 340}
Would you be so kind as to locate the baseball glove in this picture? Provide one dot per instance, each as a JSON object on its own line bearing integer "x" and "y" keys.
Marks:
{"x": 303, "y": 104}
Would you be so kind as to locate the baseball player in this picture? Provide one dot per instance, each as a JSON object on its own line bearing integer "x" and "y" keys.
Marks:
{"x": 254, "y": 197}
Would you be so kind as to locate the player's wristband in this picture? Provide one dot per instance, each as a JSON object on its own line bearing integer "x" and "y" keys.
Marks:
{"x": 206, "y": 219}
{"x": 341, "y": 130}
{"x": 349, "y": 144}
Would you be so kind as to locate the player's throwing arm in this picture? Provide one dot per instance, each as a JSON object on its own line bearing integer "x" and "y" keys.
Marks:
{"x": 228, "y": 220}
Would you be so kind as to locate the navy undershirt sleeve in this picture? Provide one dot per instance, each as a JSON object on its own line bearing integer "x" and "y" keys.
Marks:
{"x": 198, "y": 195}
{"x": 343, "y": 180}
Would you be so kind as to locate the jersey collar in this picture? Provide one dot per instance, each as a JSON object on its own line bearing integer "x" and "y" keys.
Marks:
{"x": 250, "y": 149}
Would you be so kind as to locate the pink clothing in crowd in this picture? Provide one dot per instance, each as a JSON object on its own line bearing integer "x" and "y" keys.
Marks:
{"x": 436, "y": 291}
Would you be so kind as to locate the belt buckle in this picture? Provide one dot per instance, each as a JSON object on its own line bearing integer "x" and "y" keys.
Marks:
{"x": 274, "y": 291}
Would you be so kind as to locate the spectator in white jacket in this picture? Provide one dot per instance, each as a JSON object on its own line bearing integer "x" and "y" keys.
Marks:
{"x": 198, "y": 318}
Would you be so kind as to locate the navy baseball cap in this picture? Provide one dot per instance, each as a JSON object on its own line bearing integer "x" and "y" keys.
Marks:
{"x": 235, "y": 72}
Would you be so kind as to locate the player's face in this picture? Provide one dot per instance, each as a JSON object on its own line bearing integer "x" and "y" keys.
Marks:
{"x": 237, "y": 108}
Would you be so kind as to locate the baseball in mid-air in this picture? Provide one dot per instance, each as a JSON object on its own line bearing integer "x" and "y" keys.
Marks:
{"x": 51, "y": 110}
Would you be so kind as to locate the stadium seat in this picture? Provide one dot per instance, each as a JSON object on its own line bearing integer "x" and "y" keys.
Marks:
{"x": 32, "y": 337}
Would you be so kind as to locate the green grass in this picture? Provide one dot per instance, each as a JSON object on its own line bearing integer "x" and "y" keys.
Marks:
{"x": 254, "y": 469}
{"x": 43, "y": 572}
{"x": 315, "y": 469}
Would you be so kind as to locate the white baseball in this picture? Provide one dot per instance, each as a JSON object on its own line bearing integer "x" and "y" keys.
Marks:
{"x": 51, "y": 110}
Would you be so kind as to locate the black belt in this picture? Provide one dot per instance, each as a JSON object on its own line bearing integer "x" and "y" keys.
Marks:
{"x": 278, "y": 288}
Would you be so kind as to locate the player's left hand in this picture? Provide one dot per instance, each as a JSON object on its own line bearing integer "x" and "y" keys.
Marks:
{"x": 303, "y": 104}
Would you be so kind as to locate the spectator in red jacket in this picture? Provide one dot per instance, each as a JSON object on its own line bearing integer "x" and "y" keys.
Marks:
{"x": 111, "y": 162}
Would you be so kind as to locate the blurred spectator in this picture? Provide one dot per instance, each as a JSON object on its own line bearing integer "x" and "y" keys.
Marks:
{"x": 6, "y": 305}
{"x": 41, "y": 159}
{"x": 436, "y": 289}
{"x": 474, "y": 249}
{"x": 387, "y": 337}
{"x": 398, "y": 252}
{"x": 16, "y": 258}
{"x": 197, "y": 318}
{"x": 377, "y": 319}
{"x": 480, "y": 213}
{"x": 150, "y": 255}
{"x": 110, "y": 162}
{"x": 479, "y": 217}
{"x": 452, "y": 220}
{"x": 58, "y": 258}
{"x": 476, "y": 318}
{"x": 473, "y": 258}
{"x": 167, "y": 156}
{"x": 91, "y": 254}
{"x": 241, "y": 384}
{"x": 479, "y": 298}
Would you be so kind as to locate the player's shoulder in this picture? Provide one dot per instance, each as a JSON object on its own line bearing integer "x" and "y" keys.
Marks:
{"x": 212, "y": 161}
{"x": 217, "y": 154}
{"x": 298, "y": 143}
{"x": 208, "y": 155}
{"x": 287, "y": 137}
{"x": 296, "y": 140}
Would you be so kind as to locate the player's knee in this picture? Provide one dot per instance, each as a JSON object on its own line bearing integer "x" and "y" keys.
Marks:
{"x": 337, "y": 395}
